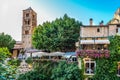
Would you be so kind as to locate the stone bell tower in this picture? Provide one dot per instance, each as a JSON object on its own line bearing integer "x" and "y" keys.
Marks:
{"x": 117, "y": 14}
{"x": 116, "y": 18}
{"x": 29, "y": 22}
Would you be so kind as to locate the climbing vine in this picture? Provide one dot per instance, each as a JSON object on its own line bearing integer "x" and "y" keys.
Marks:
{"x": 106, "y": 67}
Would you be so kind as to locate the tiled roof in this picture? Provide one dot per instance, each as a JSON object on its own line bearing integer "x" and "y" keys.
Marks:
{"x": 95, "y": 25}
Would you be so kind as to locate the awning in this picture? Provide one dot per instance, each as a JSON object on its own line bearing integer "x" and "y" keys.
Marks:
{"x": 94, "y": 42}
{"x": 102, "y": 42}
{"x": 86, "y": 41}
{"x": 56, "y": 54}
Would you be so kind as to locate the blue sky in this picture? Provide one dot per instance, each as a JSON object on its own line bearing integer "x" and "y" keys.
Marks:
{"x": 81, "y": 10}
{"x": 48, "y": 10}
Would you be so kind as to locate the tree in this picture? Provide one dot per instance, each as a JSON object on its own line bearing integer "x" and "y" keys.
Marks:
{"x": 4, "y": 53}
{"x": 6, "y": 41}
{"x": 66, "y": 71}
{"x": 115, "y": 44}
{"x": 7, "y": 70}
{"x": 58, "y": 35}
{"x": 42, "y": 71}
{"x": 50, "y": 70}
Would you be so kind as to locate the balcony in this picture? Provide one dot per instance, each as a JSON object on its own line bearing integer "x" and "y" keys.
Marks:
{"x": 93, "y": 53}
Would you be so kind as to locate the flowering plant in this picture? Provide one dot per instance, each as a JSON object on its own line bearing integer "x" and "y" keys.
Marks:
{"x": 93, "y": 53}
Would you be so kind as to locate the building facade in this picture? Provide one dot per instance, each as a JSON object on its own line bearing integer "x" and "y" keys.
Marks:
{"x": 96, "y": 36}
{"x": 29, "y": 22}
{"x": 94, "y": 41}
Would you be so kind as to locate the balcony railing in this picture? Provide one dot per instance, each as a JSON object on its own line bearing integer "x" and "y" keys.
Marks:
{"x": 93, "y": 53}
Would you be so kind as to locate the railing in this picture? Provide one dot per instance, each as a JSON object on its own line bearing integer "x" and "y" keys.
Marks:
{"x": 93, "y": 53}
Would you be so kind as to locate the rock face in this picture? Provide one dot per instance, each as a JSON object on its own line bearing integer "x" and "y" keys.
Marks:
{"x": 24, "y": 67}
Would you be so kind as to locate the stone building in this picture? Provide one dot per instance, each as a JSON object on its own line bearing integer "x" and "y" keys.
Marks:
{"x": 96, "y": 36}
{"x": 29, "y": 23}
{"x": 17, "y": 48}
{"x": 94, "y": 41}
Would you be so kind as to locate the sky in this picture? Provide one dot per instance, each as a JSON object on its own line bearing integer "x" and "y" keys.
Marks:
{"x": 48, "y": 10}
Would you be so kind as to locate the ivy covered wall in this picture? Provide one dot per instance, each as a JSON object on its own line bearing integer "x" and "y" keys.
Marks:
{"x": 106, "y": 68}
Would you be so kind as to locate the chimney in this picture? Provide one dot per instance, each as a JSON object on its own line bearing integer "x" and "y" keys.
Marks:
{"x": 91, "y": 21}
{"x": 101, "y": 23}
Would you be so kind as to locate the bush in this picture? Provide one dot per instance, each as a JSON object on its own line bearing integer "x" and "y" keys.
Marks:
{"x": 29, "y": 60}
{"x": 49, "y": 70}
{"x": 65, "y": 71}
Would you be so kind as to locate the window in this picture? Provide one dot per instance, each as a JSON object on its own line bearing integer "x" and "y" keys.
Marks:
{"x": 116, "y": 30}
{"x": 73, "y": 59}
{"x": 33, "y": 16}
{"x": 27, "y": 15}
{"x": 118, "y": 25}
{"x": 26, "y": 32}
{"x": 25, "y": 22}
{"x": 28, "y": 22}
{"x": 118, "y": 69}
{"x": 98, "y": 30}
{"x": 89, "y": 66}
{"x": 119, "y": 30}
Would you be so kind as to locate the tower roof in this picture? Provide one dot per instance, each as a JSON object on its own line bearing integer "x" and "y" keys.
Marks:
{"x": 118, "y": 11}
{"x": 29, "y": 8}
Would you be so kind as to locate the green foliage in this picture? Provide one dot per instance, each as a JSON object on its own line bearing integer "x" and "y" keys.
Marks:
{"x": 49, "y": 70}
{"x": 15, "y": 62}
{"x": 115, "y": 45}
{"x": 29, "y": 60}
{"x": 6, "y": 41}
{"x": 106, "y": 69}
{"x": 32, "y": 75}
{"x": 58, "y": 35}
{"x": 45, "y": 67}
{"x": 7, "y": 70}
{"x": 65, "y": 71}
{"x": 42, "y": 71}
{"x": 4, "y": 53}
